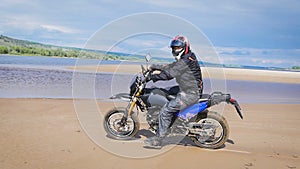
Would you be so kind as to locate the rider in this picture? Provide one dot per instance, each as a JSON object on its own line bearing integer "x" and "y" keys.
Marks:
{"x": 187, "y": 72}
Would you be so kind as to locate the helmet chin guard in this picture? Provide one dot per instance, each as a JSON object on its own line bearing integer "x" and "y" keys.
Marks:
{"x": 178, "y": 55}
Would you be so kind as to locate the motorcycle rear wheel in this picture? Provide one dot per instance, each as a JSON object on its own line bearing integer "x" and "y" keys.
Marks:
{"x": 115, "y": 130}
{"x": 214, "y": 142}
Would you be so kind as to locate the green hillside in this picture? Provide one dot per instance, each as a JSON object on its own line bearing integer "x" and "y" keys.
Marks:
{"x": 7, "y": 41}
{"x": 23, "y": 47}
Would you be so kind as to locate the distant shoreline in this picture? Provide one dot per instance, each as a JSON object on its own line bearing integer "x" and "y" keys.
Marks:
{"x": 131, "y": 62}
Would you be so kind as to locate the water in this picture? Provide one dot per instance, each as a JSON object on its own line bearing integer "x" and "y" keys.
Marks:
{"x": 17, "y": 82}
{"x": 36, "y": 60}
{"x": 43, "y": 77}
{"x": 53, "y": 62}
{"x": 264, "y": 92}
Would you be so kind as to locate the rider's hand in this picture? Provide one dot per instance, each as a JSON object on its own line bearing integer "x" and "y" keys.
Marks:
{"x": 155, "y": 67}
{"x": 156, "y": 72}
{"x": 148, "y": 78}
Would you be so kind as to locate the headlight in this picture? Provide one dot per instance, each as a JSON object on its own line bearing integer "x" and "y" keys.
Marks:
{"x": 134, "y": 84}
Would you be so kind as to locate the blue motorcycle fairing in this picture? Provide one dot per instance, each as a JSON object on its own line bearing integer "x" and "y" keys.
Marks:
{"x": 192, "y": 110}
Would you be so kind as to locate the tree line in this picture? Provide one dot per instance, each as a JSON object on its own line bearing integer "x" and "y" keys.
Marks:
{"x": 58, "y": 52}
{"x": 23, "y": 50}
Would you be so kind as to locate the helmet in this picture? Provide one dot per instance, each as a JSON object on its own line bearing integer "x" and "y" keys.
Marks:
{"x": 180, "y": 46}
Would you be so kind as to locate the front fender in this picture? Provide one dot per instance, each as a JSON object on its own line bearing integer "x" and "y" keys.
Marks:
{"x": 122, "y": 96}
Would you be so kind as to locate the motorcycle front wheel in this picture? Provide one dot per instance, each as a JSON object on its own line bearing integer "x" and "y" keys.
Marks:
{"x": 214, "y": 131}
{"x": 115, "y": 129}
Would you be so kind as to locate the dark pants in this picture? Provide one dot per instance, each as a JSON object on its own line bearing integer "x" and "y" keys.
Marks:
{"x": 159, "y": 96}
{"x": 167, "y": 113}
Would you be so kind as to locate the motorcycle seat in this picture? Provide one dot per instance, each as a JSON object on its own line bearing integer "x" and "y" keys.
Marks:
{"x": 204, "y": 97}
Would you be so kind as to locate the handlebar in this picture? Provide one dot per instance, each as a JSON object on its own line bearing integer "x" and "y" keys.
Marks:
{"x": 146, "y": 72}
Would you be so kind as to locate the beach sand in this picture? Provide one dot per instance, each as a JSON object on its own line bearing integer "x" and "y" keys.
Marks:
{"x": 46, "y": 133}
{"x": 209, "y": 72}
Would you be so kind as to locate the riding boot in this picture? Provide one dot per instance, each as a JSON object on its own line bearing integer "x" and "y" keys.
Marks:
{"x": 154, "y": 142}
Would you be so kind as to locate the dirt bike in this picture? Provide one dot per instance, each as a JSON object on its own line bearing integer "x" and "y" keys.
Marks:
{"x": 207, "y": 129}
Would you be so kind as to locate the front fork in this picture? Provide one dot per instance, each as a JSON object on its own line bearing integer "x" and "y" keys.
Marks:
{"x": 130, "y": 106}
{"x": 128, "y": 112}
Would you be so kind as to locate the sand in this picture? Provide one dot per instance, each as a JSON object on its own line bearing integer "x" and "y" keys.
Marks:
{"x": 209, "y": 72}
{"x": 51, "y": 133}
{"x": 45, "y": 133}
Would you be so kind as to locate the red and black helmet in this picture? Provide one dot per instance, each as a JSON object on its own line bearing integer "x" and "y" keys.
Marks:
{"x": 180, "y": 46}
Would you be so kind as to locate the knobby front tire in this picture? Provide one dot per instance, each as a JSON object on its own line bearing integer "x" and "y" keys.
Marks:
{"x": 115, "y": 130}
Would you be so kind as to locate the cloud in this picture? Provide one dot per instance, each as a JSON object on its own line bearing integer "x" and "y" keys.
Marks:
{"x": 262, "y": 30}
{"x": 18, "y": 22}
{"x": 265, "y": 61}
{"x": 236, "y": 52}
{"x": 169, "y": 3}
{"x": 259, "y": 57}
{"x": 56, "y": 28}
{"x": 142, "y": 43}
{"x": 29, "y": 23}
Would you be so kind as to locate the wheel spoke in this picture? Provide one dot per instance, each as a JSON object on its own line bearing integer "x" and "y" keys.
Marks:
{"x": 118, "y": 129}
{"x": 211, "y": 132}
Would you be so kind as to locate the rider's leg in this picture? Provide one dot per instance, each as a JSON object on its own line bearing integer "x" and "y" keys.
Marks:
{"x": 165, "y": 120}
{"x": 167, "y": 113}
{"x": 156, "y": 99}
{"x": 174, "y": 90}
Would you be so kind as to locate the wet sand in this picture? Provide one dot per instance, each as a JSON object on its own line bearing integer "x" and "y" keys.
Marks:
{"x": 209, "y": 72}
{"x": 45, "y": 133}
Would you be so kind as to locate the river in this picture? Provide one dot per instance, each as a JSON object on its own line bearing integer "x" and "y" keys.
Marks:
{"x": 48, "y": 77}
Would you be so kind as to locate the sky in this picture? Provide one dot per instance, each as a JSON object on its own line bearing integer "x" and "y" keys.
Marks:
{"x": 242, "y": 32}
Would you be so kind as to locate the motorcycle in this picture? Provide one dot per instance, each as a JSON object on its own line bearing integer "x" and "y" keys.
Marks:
{"x": 206, "y": 128}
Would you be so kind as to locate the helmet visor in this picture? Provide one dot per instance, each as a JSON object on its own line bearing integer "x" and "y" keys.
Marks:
{"x": 176, "y": 43}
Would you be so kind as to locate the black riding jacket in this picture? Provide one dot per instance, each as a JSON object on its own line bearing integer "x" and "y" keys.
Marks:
{"x": 186, "y": 71}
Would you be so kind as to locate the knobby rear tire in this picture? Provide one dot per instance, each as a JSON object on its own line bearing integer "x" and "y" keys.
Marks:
{"x": 222, "y": 121}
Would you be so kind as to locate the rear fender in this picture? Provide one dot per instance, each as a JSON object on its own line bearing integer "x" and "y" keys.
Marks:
{"x": 237, "y": 107}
